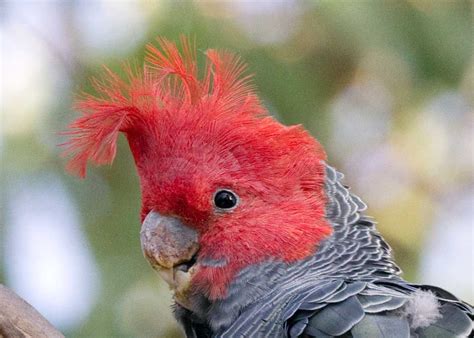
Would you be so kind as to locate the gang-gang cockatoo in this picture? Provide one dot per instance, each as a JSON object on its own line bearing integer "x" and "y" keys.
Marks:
{"x": 254, "y": 232}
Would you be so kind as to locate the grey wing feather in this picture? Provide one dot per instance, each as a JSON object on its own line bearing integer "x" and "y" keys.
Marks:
{"x": 367, "y": 301}
{"x": 314, "y": 332}
{"x": 391, "y": 304}
{"x": 319, "y": 295}
{"x": 269, "y": 315}
{"x": 313, "y": 299}
{"x": 335, "y": 292}
{"x": 298, "y": 327}
{"x": 338, "y": 318}
{"x": 381, "y": 325}
{"x": 350, "y": 290}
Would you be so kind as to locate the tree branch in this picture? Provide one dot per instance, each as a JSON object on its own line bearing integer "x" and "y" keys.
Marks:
{"x": 20, "y": 319}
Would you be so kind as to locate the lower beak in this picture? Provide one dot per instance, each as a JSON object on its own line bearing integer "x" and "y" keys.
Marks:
{"x": 170, "y": 247}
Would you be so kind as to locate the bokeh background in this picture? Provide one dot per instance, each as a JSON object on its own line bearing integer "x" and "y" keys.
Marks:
{"x": 387, "y": 87}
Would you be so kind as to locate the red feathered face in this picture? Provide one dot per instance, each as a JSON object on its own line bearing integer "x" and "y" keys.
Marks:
{"x": 223, "y": 185}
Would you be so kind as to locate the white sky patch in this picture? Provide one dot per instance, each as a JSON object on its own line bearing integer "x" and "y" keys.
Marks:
{"x": 453, "y": 111}
{"x": 26, "y": 72}
{"x": 45, "y": 22}
{"x": 47, "y": 260}
{"x": 447, "y": 258}
{"x": 2, "y": 97}
{"x": 361, "y": 118}
{"x": 383, "y": 166}
{"x": 268, "y": 22}
{"x": 37, "y": 61}
{"x": 110, "y": 26}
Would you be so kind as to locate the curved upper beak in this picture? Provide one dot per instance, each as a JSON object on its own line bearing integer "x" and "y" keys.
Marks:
{"x": 166, "y": 241}
{"x": 170, "y": 247}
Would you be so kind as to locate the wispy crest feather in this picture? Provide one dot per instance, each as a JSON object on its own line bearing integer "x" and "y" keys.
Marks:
{"x": 167, "y": 82}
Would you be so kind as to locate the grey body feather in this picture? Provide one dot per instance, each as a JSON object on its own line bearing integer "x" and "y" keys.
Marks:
{"x": 350, "y": 288}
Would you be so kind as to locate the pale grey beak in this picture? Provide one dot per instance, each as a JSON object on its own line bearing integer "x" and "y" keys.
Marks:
{"x": 171, "y": 248}
{"x": 166, "y": 241}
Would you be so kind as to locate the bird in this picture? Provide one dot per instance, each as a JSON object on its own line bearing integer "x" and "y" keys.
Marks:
{"x": 254, "y": 231}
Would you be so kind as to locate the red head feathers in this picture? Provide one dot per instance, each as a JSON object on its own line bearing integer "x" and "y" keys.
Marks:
{"x": 191, "y": 135}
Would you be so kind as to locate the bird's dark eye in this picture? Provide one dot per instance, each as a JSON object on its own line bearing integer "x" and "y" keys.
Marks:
{"x": 225, "y": 199}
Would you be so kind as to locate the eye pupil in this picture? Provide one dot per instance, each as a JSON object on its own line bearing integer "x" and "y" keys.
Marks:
{"x": 225, "y": 199}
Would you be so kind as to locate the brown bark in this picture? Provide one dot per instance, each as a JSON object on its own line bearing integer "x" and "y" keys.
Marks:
{"x": 20, "y": 319}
